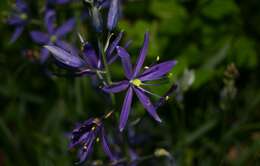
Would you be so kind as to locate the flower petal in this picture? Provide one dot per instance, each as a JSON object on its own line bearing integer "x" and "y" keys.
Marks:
{"x": 147, "y": 104}
{"x": 113, "y": 45}
{"x": 116, "y": 87}
{"x": 142, "y": 55}
{"x": 44, "y": 55}
{"x": 65, "y": 28}
{"x": 113, "y": 14}
{"x": 126, "y": 61}
{"x": 65, "y": 57}
{"x": 21, "y": 6}
{"x": 157, "y": 71}
{"x": 126, "y": 109}
{"x": 90, "y": 55}
{"x": 15, "y": 20}
{"x": 62, "y": 1}
{"x": 18, "y": 31}
{"x": 39, "y": 37}
{"x": 105, "y": 145}
{"x": 49, "y": 19}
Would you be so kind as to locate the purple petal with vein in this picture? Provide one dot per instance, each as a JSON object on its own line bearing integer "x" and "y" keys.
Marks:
{"x": 39, "y": 37}
{"x": 126, "y": 109}
{"x": 116, "y": 87}
{"x": 142, "y": 55}
{"x": 126, "y": 61}
{"x": 65, "y": 57}
{"x": 65, "y": 28}
{"x": 147, "y": 103}
{"x": 157, "y": 71}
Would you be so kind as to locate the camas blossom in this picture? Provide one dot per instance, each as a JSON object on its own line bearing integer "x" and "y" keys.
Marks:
{"x": 53, "y": 35}
{"x": 86, "y": 134}
{"x": 135, "y": 80}
{"x": 19, "y": 19}
{"x": 88, "y": 61}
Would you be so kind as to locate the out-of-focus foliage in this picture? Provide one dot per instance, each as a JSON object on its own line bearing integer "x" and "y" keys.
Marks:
{"x": 212, "y": 120}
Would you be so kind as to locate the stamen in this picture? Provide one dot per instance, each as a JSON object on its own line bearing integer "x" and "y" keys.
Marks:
{"x": 93, "y": 128}
{"x": 97, "y": 139}
{"x": 167, "y": 98}
{"x": 153, "y": 94}
{"x": 146, "y": 67}
{"x": 53, "y": 38}
{"x": 136, "y": 82}
{"x": 157, "y": 58}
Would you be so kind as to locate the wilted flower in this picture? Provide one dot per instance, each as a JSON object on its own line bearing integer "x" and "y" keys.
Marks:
{"x": 86, "y": 134}
{"x": 53, "y": 35}
{"x": 135, "y": 81}
{"x": 19, "y": 19}
{"x": 89, "y": 61}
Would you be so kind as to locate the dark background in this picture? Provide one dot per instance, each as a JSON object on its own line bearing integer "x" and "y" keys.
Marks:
{"x": 213, "y": 118}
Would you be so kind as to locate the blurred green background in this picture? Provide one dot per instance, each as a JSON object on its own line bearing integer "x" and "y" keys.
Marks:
{"x": 213, "y": 118}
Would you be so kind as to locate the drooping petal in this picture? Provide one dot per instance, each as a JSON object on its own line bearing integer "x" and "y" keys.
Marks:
{"x": 44, "y": 55}
{"x": 116, "y": 87}
{"x": 105, "y": 145}
{"x": 126, "y": 109}
{"x": 89, "y": 54}
{"x": 39, "y": 37}
{"x": 65, "y": 57}
{"x": 126, "y": 61}
{"x": 113, "y": 14}
{"x": 147, "y": 103}
{"x": 49, "y": 20}
{"x": 96, "y": 19}
{"x": 18, "y": 31}
{"x": 65, "y": 28}
{"x": 113, "y": 45}
{"x": 157, "y": 71}
{"x": 142, "y": 55}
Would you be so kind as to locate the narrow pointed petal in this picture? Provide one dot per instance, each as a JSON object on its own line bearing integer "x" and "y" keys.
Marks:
{"x": 65, "y": 57}
{"x": 44, "y": 55}
{"x": 18, "y": 31}
{"x": 39, "y": 37}
{"x": 147, "y": 104}
{"x": 116, "y": 87}
{"x": 142, "y": 55}
{"x": 105, "y": 145}
{"x": 157, "y": 71}
{"x": 90, "y": 55}
{"x": 126, "y": 109}
{"x": 113, "y": 46}
{"x": 113, "y": 14}
{"x": 126, "y": 62}
{"x": 65, "y": 28}
{"x": 49, "y": 20}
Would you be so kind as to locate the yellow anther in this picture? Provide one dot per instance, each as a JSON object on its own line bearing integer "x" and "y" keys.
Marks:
{"x": 170, "y": 75}
{"x": 146, "y": 67}
{"x": 161, "y": 152}
{"x": 108, "y": 114}
{"x": 85, "y": 147}
{"x": 93, "y": 128}
{"x": 157, "y": 58}
{"x": 167, "y": 98}
{"x": 23, "y": 16}
{"x": 53, "y": 38}
{"x": 136, "y": 82}
{"x": 97, "y": 139}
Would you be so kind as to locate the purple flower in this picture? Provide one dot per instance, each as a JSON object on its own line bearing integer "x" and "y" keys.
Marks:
{"x": 136, "y": 79}
{"x": 89, "y": 61}
{"x": 53, "y": 35}
{"x": 19, "y": 19}
{"x": 86, "y": 134}
{"x": 113, "y": 14}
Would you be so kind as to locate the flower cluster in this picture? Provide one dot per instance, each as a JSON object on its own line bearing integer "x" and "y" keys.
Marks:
{"x": 94, "y": 59}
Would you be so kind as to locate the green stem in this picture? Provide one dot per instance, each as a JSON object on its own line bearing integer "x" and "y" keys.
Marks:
{"x": 104, "y": 59}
